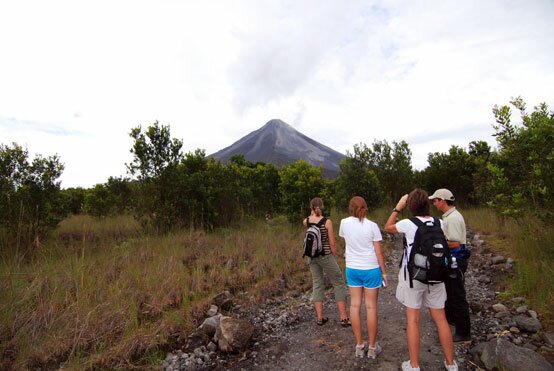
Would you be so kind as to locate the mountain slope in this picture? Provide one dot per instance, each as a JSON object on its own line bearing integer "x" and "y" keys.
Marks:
{"x": 279, "y": 143}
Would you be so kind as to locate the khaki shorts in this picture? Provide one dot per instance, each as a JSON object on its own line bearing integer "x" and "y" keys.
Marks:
{"x": 430, "y": 296}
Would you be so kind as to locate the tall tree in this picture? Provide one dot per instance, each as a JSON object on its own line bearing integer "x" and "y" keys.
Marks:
{"x": 523, "y": 173}
{"x": 155, "y": 160}
{"x": 30, "y": 202}
{"x": 300, "y": 182}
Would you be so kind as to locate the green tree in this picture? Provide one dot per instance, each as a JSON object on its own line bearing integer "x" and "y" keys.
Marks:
{"x": 73, "y": 200}
{"x": 357, "y": 179}
{"x": 111, "y": 198}
{"x": 155, "y": 160}
{"x": 153, "y": 151}
{"x": 30, "y": 203}
{"x": 300, "y": 182}
{"x": 257, "y": 186}
{"x": 522, "y": 177}
{"x": 453, "y": 170}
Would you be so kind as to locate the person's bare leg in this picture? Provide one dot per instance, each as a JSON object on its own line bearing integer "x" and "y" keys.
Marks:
{"x": 445, "y": 335}
{"x": 341, "y": 305}
{"x": 371, "y": 296}
{"x": 412, "y": 332}
{"x": 318, "y": 305}
{"x": 355, "y": 306}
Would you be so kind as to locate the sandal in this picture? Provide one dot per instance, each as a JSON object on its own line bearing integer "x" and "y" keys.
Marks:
{"x": 345, "y": 322}
{"x": 322, "y": 321}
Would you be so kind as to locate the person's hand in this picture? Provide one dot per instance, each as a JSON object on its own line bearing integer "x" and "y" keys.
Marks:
{"x": 402, "y": 202}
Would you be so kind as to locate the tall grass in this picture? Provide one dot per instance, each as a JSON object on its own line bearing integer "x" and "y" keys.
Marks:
{"x": 529, "y": 242}
{"x": 100, "y": 294}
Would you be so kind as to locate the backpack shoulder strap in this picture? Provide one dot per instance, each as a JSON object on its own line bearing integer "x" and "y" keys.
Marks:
{"x": 322, "y": 222}
{"x": 416, "y": 221}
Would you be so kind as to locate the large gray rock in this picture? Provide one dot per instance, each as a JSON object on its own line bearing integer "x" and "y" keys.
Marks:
{"x": 528, "y": 324}
{"x": 210, "y": 325}
{"x": 233, "y": 334}
{"x": 500, "y": 354}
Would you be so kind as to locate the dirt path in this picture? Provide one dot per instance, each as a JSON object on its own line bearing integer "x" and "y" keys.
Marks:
{"x": 306, "y": 346}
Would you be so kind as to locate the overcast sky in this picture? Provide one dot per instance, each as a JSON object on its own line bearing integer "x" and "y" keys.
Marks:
{"x": 76, "y": 76}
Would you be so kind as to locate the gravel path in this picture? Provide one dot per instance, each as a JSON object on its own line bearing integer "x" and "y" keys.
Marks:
{"x": 300, "y": 344}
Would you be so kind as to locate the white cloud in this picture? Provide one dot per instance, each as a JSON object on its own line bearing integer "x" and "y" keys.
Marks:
{"x": 76, "y": 76}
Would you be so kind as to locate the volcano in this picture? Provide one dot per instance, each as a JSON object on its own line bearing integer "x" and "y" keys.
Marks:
{"x": 280, "y": 144}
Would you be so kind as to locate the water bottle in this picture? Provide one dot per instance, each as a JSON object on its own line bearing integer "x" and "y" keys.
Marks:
{"x": 454, "y": 267}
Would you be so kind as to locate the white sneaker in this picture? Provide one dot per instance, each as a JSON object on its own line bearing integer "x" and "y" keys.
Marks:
{"x": 406, "y": 366}
{"x": 372, "y": 353}
{"x": 360, "y": 352}
{"x": 453, "y": 367}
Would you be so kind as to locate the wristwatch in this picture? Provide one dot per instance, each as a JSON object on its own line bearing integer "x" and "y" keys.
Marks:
{"x": 396, "y": 210}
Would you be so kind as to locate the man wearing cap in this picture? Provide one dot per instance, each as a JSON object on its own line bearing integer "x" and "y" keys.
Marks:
{"x": 456, "y": 306}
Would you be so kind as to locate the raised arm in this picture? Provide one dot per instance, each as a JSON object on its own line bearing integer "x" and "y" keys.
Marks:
{"x": 390, "y": 225}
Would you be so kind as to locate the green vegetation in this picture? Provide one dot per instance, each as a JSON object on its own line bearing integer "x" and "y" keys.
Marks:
{"x": 136, "y": 262}
{"x": 100, "y": 294}
{"x": 528, "y": 241}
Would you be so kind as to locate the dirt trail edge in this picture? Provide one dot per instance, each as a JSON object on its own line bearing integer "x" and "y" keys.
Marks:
{"x": 303, "y": 345}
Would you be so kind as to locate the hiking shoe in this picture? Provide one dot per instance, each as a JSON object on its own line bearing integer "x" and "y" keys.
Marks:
{"x": 460, "y": 338}
{"x": 372, "y": 353}
{"x": 360, "y": 351}
{"x": 406, "y": 366}
{"x": 453, "y": 367}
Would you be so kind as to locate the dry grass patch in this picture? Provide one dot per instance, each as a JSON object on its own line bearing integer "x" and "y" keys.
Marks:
{"x": 120, "y": 301}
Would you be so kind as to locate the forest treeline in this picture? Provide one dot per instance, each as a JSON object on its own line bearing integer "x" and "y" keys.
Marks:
{"x": 168, "y": 189}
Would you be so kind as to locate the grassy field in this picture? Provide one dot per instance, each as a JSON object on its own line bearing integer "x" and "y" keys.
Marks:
{"x": 100, "y": 294}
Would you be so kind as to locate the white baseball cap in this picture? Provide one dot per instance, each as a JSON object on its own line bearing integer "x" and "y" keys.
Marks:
{"x": 443, "y": 194}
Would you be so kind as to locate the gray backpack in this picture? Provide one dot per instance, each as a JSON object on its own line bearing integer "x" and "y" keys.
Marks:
{"x": 313, "y": 247}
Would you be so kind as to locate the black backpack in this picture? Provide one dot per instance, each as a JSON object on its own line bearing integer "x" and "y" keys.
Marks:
{"x": 313, "y": 247}
{"x": 430, "y": 260}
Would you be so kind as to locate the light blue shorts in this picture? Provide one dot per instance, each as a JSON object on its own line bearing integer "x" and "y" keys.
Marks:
{"x": 367, "y": 278}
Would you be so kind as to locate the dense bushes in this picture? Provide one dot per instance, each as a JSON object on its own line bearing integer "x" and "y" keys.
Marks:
{"x": 30, "y": 204}
{"x": 169, "y": 189}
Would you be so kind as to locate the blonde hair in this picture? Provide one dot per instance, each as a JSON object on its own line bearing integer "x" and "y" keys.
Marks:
{"x": 358, "y": 207}
{"x": 317, "y": 205}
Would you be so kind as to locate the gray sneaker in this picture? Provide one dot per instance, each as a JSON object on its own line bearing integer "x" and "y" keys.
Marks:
{"x": 453, "y": 367}
{"x": 360, "y": 352}
{"x": 372, "y": 353}
{"x": 406, "y": 366}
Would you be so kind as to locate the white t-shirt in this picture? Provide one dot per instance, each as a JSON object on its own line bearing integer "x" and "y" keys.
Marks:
{"x": 359, "y": 237}
{"x": 409, "y": 228}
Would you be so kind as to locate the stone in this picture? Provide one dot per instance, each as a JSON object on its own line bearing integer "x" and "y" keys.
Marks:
{"x": 224, "y": 300}
{"x": 548, "y": 338}
{"x": 233, "y": 334}
{"x": 195, "y": 340}
{"x": 505, "y": 314}
{"x": 518, "y": 299}
{"x": 210, "y": 325}
{"x": 212, "y": 311}
{"x": 484, "y": 279}
{"x": 499, "y": 307}
{"x": 503, "y": 355}
{"x": 498, "y": 260}
{"x": 528, "y": 324}
{"x": 533, "y": 314}
{"x": 522, "y": 309}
